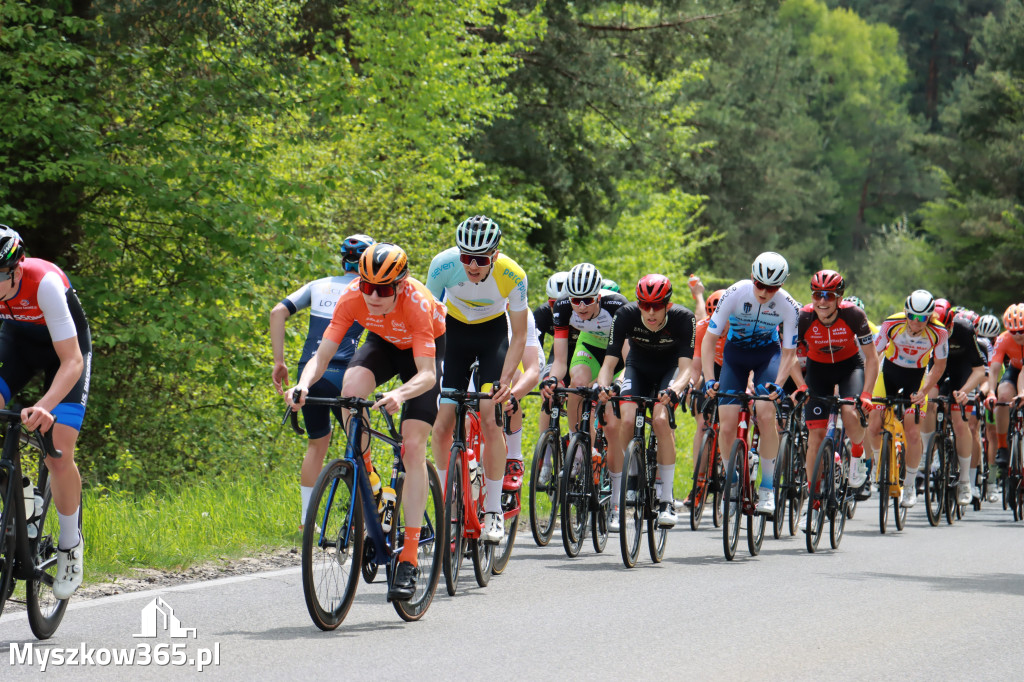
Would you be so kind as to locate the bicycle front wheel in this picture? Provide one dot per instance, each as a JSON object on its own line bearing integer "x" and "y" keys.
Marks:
{"x": 544, "y": 492}
{"x": 817, "y": 500}
{"x": 483, "y": 560}
{"x": 732, "y": 500}
{"x": 884, "y": 460}
{"x": 430, "y": 551}
{"x": 510, "y": 516}
{"x": 632, "y": 503}
{"x": 840, "y": 476}
{"x": 702, "y": 474}
{"x": 899, "y": 472}
{"x": 952, "y": 477}
{"x": 332, "y": 545}
{"x": 783, "y": 482}
{"x": 454, "y": 522}
{"x": 934, "y": 479}
{"x": 599, "y": 516}
{"x": 45, "y": 611}
{"x": 575, "y": 495}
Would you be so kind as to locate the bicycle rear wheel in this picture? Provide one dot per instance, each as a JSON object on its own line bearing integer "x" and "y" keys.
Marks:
{"x": 483, "y": 559}
{"x": 817, "y": 501}
{"x": 7, "y": 539}
{"x": 332, "y": 545}
{"x": 782, "y": 483}
{"x": 576, "y": 497}
{"x": 510, "y": 515}
{"x": 797, "y": 494}
{"x": 934, "y": 479}
{"x": 544, "y": 496}
{"x": 429, "y": 554}
{"x": 632, "y": 502}
{"x": 702, "y": 475}
{"x": 732, "y": 509}
{"x": 454, "y": 540}
{"x": 45, "y": 611}
{"x": 884, "y": 457}
{"x": 840, "y": 478}
{"x": 952, "y": 477}
{"x": 718, "y": 485}
{"x": 599, "y": 517}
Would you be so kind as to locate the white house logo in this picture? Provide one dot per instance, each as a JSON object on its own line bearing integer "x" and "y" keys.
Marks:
{"x": 157, "y": 616}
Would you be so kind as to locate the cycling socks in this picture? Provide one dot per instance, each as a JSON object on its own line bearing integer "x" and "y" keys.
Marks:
{"x": 514, "y": 441}
{"x": 492, "y": 502}
{"x": 69, "y": 535}
{"x": 307, "y": 494}
{"x": 666, "y": 476}
{"x": 767, "y": 473}
{"x": 857, "y": 450}
{"x": 410, "y": 546}
{"x": 616, "y": 486}
{"x": 1001, "y": 438}
{"x": 443, "y": 475}
{"x": 965, "y": 468}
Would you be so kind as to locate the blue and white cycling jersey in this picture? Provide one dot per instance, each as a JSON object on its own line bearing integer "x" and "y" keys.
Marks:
{"x": 320, "y": 296}
{"x": 751, "y": 324}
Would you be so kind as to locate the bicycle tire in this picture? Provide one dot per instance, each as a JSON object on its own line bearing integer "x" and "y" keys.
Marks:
{"x": 900, "y": 515}
{"x": 952, "y": 477}
{"x": 454, "y": 550}
{"x": 7, "y": 544}
{"x": 817, "y": 500}
{"x": 1012, "y": 492}
{"x": 934, "y": 479}
{"x": 544, "y": 498}
{"x": 797, "y": 499}
{"x": 575, "y": 495}
{"x": 657, "y": 537}
{"x": 599, "y": 517}
{"x": 430, "y": 553}
{"x": 702, "y": 475}
{"x": 718, "y": 474}
{"x": 45, "y": 611}
{"x": 631, "y": 513}
{"x": 837, "y": 522}
{"x": 756, "y": 523}
{"x": 782, "y": 483}
{"x": 884, "y": 457}
{"x": 731, "y": 515}
{"x": 503, "y": 551}
{"x": 483, "y": 558}
{"x": 332, "y": 545}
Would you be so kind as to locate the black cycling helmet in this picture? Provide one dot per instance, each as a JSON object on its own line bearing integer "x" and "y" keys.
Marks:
{"x": 12, "y": 247}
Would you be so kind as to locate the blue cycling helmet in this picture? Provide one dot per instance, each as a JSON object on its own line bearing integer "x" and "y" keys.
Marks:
{"x": 352, "y": 248}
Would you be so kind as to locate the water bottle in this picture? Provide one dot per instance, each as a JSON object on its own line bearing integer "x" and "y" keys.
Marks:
{"x": 753, "y": 460}
{"x": 387, "y": 507}
{"x": 837, "y": 473}
{"x": 33, "y": 525}
{"x": 474, "y": 475}
{"x": 375, "y": 486}
{"x": 595, "y": 465}
{"x": 29, "y": 493}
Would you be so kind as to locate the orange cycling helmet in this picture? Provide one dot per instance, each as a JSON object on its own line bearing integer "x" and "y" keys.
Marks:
{"x": 1013, "y": 318}
{"x": 712, "y": 302}
{"x": 383, "y": 263}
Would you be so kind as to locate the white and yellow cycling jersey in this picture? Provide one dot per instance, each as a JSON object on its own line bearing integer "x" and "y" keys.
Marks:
{"x": 474, "y": 302}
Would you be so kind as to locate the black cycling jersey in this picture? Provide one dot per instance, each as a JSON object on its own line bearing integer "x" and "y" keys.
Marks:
{"x": 963, "y": 344}
{"x": 674, "y": 340}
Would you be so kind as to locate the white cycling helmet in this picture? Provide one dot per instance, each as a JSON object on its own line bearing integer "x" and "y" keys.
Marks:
{"x": 556, "y": 285}
{"x": 584, "y": 280}
{"x": 920, "y": 302}
{"x": 770, "y": 269}
{"x": 478, "y": 234}
{"x": 988, "y": 326}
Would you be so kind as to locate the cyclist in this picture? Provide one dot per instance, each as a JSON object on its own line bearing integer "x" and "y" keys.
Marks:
{"x": 754, "y": 310}
{"x": 833, "y": 333}
{"x": 988, "y": 327}
{"x": 965, "y": 368}
{"x": 543, "y": 317}
{"x": 405, "y": 328}
{"x": 697, "y": 294}
{"x": 45, "y": 331}
{"x": 611, "y": 285}
{"x": 526, "y": 379}
{"x": 320, "y": 297}
{"x": 661, "y": 337}
{"x": 906, "y": 341}
{"x": 590, "y": 310}
{"x": 478, "y": 283}
{"x": 1009, "y": 351}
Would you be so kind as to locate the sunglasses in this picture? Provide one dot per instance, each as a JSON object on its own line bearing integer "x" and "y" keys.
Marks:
{"x": 471, "y": 258}
{"x": 382, "y": 290}
{"x": 582, "y": 301}
{"x": 766, "y": 288}
{"x": 824, "y": 295}
{"x": 1018, "y": 332}
{"x": 651, "y": 307}
{"x": 918, "y": 318}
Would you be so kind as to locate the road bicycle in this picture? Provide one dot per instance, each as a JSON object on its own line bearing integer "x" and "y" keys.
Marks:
{"x": 942, "y": 466}
{"x": 1013, "y": 481}
{"x": 548, "y": 456}
{"x": 638, "y": 497}
{"x": 790, "y": 482}
{"x": 708, "y": 471}
{"x": 830, "y": 493}
{"x": 892, "y": 460}
{"x": 28, "y": 527}
{"x": 586, "y": 484}
{"x": 740, "y": 498}
{"x": 347, "y": 533}
{"x": 465, "y": 493}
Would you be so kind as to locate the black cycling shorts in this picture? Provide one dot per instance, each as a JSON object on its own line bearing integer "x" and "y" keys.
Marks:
{"x": 823, "y": 378}
{"x": 954, "y": 377}
{"x": 895, "y": 377}
{"x": 385, "y": 361}
{"x": 1010, "y": 376}
{"x": 468, "y": 343}
{"x": 647, "y": 376}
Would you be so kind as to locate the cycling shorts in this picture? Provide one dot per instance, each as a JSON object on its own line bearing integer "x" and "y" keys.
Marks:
{"x": 822, "y": 380}
{"x": 318, "y": 417}
{"x": 957, "y": 375}
{"x": 386, "y": 360}
{"x": 1010, "y": 376}
{"x": 646, "y": 376}
{"x": 893, "y": 377}
{"x": 589, "y": 352}
{"x": 486, "y": 342}
{"x": 24, "y": 354}
{"x": 738, "y": 363}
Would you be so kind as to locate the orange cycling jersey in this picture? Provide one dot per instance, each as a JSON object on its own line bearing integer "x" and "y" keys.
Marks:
{"x": 418, "y": 318}
{"x": 1008, "y": 351}
{"x": 702, "y": 327}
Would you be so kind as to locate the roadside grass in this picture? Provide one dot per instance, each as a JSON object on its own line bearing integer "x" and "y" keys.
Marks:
{"x": 172, "y": 528}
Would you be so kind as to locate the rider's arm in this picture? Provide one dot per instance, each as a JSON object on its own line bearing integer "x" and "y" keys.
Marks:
{"x": 707, "y": 354}
{"x": 421, "y": 382}
{"x": 516, "y": 345}
{"x": 607, "y": 373}
{"x": 870, "y": 367}
{"x": 934, "y": 375}
{"x": 786, "y": 364}
{"x": 278, "y": 315}
{"x": 682, "y": 376}
{"x": 530, "y": 376}
{"x": 316, "y": 368}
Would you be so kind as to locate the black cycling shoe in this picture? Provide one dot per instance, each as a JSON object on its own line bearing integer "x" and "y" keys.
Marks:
{"x": 864, "y": 492}
{"x": 404, "y": 584}
{"x": 1003, "y": 457}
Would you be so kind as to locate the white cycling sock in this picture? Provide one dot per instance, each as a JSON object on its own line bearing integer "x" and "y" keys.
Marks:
{"x": 514, "y": 441}
{"x": 666, "y": 475}
{"x": 69, "y": 535}
{"x": 616, "y": 487}
{"x": 492, "y": 502}
{"x": 307, "y": 493}
{"x": 767, "y": 473}
{"x": 974, "y": 475}
{"x": 443, "y": 475}
{"x": 965, "y": 469}
{"x": 911, "y": 475}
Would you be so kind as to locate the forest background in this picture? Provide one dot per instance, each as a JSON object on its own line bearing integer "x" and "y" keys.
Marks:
{"x": 191, "y": 163}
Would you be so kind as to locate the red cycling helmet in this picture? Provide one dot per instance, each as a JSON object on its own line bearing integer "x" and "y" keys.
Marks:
{"x": 828, "y": 280}
{"x": 653, "y": 289}
{"x": 944, "y": 311}
{"x": 712, "y": 302}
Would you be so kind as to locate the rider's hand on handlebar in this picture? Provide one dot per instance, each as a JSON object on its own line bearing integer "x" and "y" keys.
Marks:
{"x": 710, "y": 389}
{"x": 390, "y": 402}
{"x": 865, "y": 402}
{"x": 501, "y": 392}
{"x": 773, "y": 391}
{"x": 798, "y": 393}
{"x": 668, "y": 397}
{"x": 547, "y": 387}
{"x": 36, "y": 418}
{"x": 296, "y": 397}
{"x": 960, "y": 397}
{"x": 512, "y": 406}
{"x": 918, "y": 397}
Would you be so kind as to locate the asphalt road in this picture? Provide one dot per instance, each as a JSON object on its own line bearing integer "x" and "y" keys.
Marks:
{"x": 926, "y": 603}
